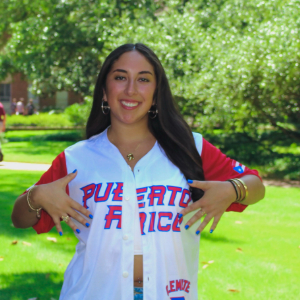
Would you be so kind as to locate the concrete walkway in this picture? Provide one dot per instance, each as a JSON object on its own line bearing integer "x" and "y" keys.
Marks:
{"x": 23, "y": 166}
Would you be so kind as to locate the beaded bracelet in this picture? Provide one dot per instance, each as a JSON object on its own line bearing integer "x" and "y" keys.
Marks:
{"x": 37, "y": 210}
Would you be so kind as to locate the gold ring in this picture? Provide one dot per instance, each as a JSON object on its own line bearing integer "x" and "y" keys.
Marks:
{"x": 65, "y": 219}
{"x": 203, "y": 212}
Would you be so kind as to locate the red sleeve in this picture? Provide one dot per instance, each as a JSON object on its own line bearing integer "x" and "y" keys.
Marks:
{"x": 218, "y": 167}
{"x": 57, "y": 170}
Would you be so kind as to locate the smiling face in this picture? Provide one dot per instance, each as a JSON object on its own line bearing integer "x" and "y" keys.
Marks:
{"x": 130, "y": 87}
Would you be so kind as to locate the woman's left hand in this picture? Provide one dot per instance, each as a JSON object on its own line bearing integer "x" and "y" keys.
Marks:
{"x": 218, "y": 195}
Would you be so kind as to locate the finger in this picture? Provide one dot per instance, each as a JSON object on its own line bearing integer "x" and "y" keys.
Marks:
{"x": 73, "y": 226}
{"x": 65, "y": 180}
{"x": 195, "y": 218}
{"x": 58, "y": 226}
{"x": 190, "y": 208}
{"x": 75, "y": 205}
{"x": 203, "y": 185}
{"x": 75, "y": 215}
{"x": 215, "y": 223}
{"x": 203, "y": 224}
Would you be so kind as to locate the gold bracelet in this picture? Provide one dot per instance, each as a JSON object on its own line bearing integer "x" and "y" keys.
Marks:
{"x": 238, "y": 189}
{"x": 245, "y": 187}
{"x": 235, "y": 188}
{"x": 242, "y": 191}
{"x": 242, "y": 195}
{"x": 37, "y": 210}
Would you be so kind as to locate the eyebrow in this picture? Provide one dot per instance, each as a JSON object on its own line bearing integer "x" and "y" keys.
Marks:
{"x": 124, "y": 71}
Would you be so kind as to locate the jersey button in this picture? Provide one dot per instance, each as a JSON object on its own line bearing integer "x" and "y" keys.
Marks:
{"x": 125, "y": 237}
{"x": 125, "y": 274}
{"x": 127, "y": 198}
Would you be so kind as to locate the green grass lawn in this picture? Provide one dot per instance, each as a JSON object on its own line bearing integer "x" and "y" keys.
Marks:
{"x": 37, "y": 146}
{"x": 266, "y": 265}
{"x": 34, "y": 151}
{"x": 35, "y": 270}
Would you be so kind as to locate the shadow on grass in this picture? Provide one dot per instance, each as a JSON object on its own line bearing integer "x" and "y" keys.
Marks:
{"x": 50, "y": 135}
{"x": 44, "y": 286}
{"x": 219, "y": 239}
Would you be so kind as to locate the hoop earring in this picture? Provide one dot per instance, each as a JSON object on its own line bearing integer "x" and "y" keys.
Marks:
{"x": 105, "y": 108}
{"x": 153, "y": 112}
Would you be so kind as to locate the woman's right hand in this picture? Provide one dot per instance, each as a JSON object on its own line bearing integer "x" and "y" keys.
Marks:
{"x": 52, "y": 197}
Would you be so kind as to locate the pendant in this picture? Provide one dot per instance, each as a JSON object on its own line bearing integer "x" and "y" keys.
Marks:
{"x": 130, "y": 156}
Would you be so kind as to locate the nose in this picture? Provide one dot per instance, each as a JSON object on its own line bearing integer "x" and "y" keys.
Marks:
{"x": 131, "y": 87}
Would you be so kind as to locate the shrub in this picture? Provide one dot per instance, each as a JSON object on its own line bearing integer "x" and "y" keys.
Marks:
{"x": 273, "y": 153}
{"x": 78, "y": 113}
{"x": 45, "y": 120}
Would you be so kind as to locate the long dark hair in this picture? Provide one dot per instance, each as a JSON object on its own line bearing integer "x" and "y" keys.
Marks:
{"x": 169, "y": 128}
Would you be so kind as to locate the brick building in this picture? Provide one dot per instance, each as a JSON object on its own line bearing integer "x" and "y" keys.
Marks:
{"x": 16, "y": 86}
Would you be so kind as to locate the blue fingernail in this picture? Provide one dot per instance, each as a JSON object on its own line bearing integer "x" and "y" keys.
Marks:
{"x": 197, "y": 232}
{"x": 91, "y": 216}
{"x": 75, "y": 171}
{"x": 180, "y": 216}
{"x": 186, "y": 226}
{"x": 190, "y": 181}
{"x": 211, "y": 231}
{"x": 87, "y": 224}
{"x": 77, "y": 230}
{"x": 60, "y": 233}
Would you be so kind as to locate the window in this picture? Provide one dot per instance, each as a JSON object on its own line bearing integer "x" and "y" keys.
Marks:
{"x": 4, "y": 92}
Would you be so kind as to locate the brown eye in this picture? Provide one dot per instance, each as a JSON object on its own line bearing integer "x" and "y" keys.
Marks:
{"x": 119, "y": 77}
{"x": 144, "y": 80}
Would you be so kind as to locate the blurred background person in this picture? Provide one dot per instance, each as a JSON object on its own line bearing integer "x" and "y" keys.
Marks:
{"x": 20, "y": 107}
{"x": 13, "y": 106}
{"x": 30, "y": 108}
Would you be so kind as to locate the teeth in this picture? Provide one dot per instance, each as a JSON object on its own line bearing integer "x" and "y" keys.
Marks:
{"x": 129, "y": 104}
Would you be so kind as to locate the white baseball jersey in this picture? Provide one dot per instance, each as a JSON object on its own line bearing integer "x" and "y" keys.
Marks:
{"x": 102, "y": 267}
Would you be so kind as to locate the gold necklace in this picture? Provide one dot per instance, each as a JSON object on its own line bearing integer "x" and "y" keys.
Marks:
{"x": 130, "y": 156}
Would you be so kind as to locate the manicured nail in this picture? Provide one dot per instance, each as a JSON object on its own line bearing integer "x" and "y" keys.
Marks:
{"x": 60, "y": 233}
{"x": 186, "y": 226}
{"x": 77, "y": 230}
{"x": 180, "y": 216}
{"x": 91, "y": 216}
{"x": 197, "y": 232}
{"x": 190, "y": 181}
{"x": 211, "y": 231}
{"x": 75, "y": 171}
{"x": 87, "y": 224}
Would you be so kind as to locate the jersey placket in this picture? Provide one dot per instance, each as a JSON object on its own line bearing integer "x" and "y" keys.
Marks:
{"x": 149, "y": 258}
{"x": 127, "y": 261}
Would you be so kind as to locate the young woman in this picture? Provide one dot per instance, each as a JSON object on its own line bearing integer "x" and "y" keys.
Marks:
{"x": 134, "y": 191}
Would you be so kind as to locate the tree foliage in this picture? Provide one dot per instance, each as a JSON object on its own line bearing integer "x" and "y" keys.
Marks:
{"x": 231, "y": 63}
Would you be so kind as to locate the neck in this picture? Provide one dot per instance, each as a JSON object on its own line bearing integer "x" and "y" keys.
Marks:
{"x": 128, "y": 134}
